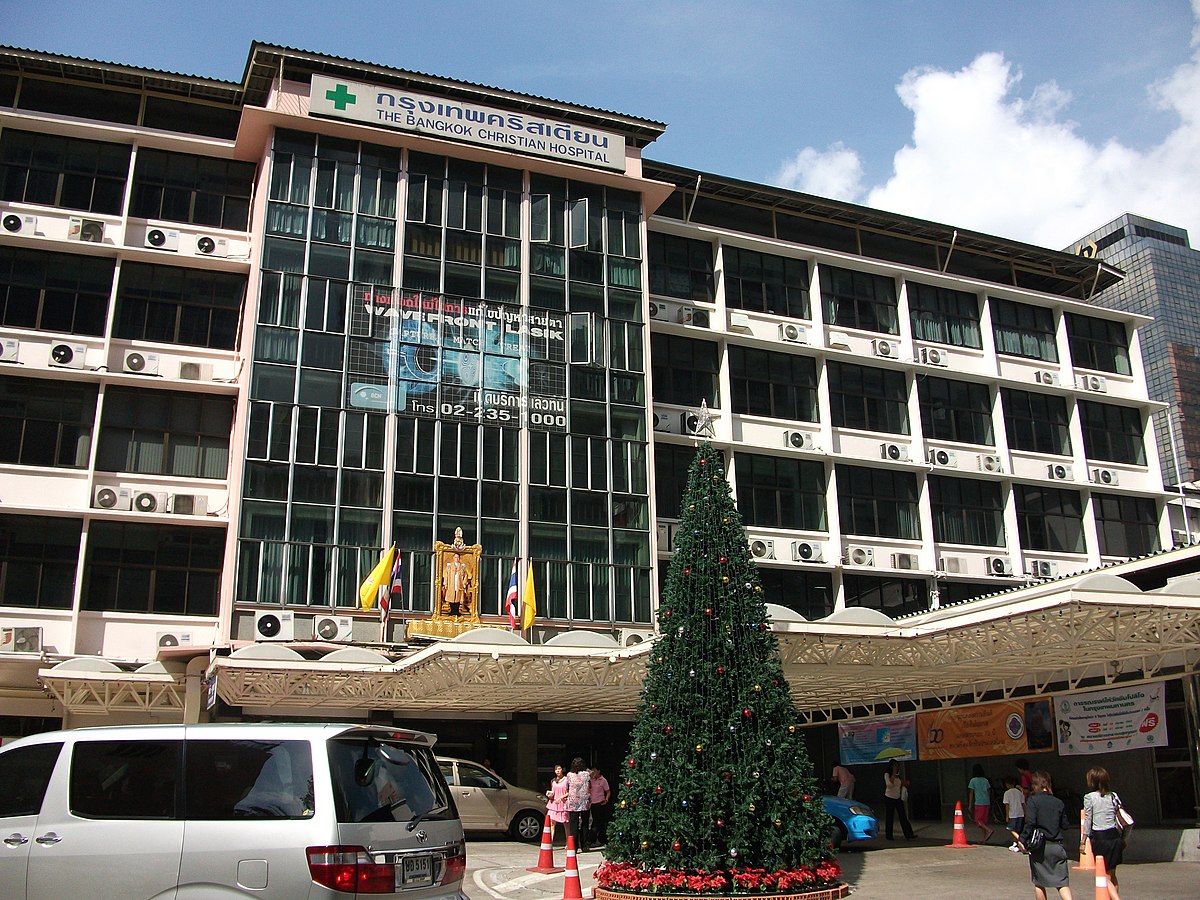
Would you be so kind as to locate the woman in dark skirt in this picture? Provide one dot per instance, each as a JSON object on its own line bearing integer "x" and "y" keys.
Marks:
{"x": 1101, "y": 825}
{"x": 1047, "y": 863}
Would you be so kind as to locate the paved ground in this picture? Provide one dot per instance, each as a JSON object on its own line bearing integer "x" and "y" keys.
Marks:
{"x": 877, "y": 870}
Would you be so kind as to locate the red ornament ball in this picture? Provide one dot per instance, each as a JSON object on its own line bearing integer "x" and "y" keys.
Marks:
{"x": 723, "y": 560}
{"x": 708, "y": 610}
{"x": 726, "y": 775}
{"x": 632, "y": 762}
{"x": 658, "y": 789}
{"x": 667, "y": 729}
{"x": 703, "y": 460}
{"x": 720, "y": 670}
{"x": 720, "y": 823}
{"x": 676, "y": 845}
{"x": 746, "y": 713}
{"x": 807, "y": 797}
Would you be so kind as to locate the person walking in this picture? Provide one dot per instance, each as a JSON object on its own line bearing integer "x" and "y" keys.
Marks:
{"x": 556, "y": 800}
{"x": 1024, "y": 776}
{"x": 895, "y": 786}
{"x": 1047, "y": 861}
{"x": 1100, "y": 824}
{"x": 845, "y": 781}
{"x": 1014, "y": 806}
{"x": 598, "y": 809}
{"x": 578, "y": 797}
{"x": 979, "y": 796}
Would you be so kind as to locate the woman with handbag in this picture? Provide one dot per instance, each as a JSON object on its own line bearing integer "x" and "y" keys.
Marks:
{"x": 1042, "y": 839}
{"x": 1101, "y": 823}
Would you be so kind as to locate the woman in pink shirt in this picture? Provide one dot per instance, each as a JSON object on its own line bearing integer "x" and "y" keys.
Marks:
{"x": 556, "y": 797}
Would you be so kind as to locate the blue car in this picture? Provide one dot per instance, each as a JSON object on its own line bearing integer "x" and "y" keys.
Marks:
{"x": 853, "y": 820}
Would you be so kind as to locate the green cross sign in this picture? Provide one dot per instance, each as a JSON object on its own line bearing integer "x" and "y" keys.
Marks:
{"x": 340, "y": 97}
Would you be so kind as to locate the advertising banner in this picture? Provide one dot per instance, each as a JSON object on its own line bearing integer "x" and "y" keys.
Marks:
{"x": 1008, "y": 728}
{"x": 878, "y": 740}
{"x": 1127, "y": 718}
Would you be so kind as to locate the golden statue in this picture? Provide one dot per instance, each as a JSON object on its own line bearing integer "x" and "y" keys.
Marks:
{"x": 455, "y": 590}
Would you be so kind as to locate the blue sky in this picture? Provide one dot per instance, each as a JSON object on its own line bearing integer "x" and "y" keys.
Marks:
{"x": 1033, "y": 120}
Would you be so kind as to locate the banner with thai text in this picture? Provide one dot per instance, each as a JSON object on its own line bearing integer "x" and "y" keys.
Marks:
{"x": 1128, "y": 718}
{"x": 878, "y": 740}
{"x": 1007, "y": 728}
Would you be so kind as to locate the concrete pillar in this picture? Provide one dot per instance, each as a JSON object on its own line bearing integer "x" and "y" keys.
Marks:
{"x": 524, "y": 749}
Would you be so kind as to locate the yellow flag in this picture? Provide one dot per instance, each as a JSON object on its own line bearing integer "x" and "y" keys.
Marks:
{"x": 528, "y": 602}
{"x": 368, "y": 591}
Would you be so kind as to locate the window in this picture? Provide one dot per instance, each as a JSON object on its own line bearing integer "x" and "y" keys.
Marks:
{"x": 126, "y": 779}
{"x": 67, "y": 172}
{"x": 778, "y": 385}
{"x": 1112, "y": 433}
{"x": 199, "y": 190}
{"x": 1100, "y": 344}
{"x": 683, "y": 371}
{"x": 1036, "y": 422}
{"x": 1024, "y": 330}
{"x": 944, "y": 315}
{"x": 855, "y": 299}
{"x": 877, "y": 502}
{"x": 25, "y": 774}
{"x": 671, "y": 463}
{"x": 46, "y": 423}
{"x": 161, "y": 569}
{"x": 165, "y": 433}
{"x": 226, "y": 780}
{"x": 1128, "y": 526}
{"x": 966, "y": 511}
{"x": 958, "y": 411}
{"x": 868, "y": 399}
{"x": 808, "y": 593}
{"x": 780, "y": 493}
{"x": 56, "y": 292}
{"x": 680, "y": 267}
{"x": 1049, "y": 519}
{"x": 170, "y": 305}
{"x": 765, "y": 283}
{"x": 410, "y": 782}
{"x": 37, "y": 561}
{"x": 891, "y": 596}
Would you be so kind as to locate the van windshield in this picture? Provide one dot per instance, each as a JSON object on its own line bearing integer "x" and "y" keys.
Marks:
{"x": 386, "y": 781}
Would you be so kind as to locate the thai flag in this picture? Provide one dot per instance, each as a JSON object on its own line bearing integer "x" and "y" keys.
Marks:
{"x": 394, "y": 594}
{"x": 511, "y": 602}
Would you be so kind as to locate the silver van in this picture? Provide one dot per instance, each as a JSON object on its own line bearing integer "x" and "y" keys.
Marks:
{"x": 227, "y": 810}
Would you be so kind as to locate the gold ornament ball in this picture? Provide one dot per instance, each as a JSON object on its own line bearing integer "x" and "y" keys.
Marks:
{"x": 645, "y": 845}
{"x": 779, "y": 823}
{"x": 725, "y": 579}
{"x": 751, "y": 807}
{"x": 622, "y": 804}
{"x": 692, "y": 506}
{"x": 791, "y": 729}
{"x": 757, "y": 688}
{"x": 699, "y": 748}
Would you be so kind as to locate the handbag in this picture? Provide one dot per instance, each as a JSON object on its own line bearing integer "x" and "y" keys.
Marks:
{"x": 1124, "y": 819}
{"x": 1037, "y": 838}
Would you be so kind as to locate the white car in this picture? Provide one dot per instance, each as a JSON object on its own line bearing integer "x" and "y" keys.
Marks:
{"x": 486, "y": 802}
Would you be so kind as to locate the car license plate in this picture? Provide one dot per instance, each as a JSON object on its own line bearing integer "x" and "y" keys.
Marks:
{"x": 415, "y": 871}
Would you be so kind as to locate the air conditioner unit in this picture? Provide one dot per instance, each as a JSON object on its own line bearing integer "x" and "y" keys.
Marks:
{"x": 952, "y": 565}
{"x": 68, "y": 356}
{"x": 1105, "y": 477}
{"x": 1060, "y": 472}
{"x": 808, "y": 551}
{"x": 150, "y": 501}
{"x": 274, "y": 626}
{"x": 631, "y": 637}
{"x": 689, "y": 423}
{"x": 946, "y": 458}
{"x": 905, "y": 561}
{"x": 933, "y": 356}
{"x": 90, "y": 231}
{"x": 140, "y": 363}
{"x": 1042, "y": 376}
{"x": 660, "y": 312}
{"x": 664, "y": 422}
{"x": 162, "y": 238}
{"x": 21, "y": 639}
{"x": 761, "y": 549}
{"x": 664, "y": 538}
{"x": 894, "y": 452}
{"x": 1180, "y": 537}
{"x": 195, "y": 371}
{"x": 838, "y": 339}
{"x": 173, "y": 639}
{"x": 990, "y": 462}
{"x": 18, "y": 223}
{"x": 1041, "y": 568}
{"x": 740, "y": 321}
{"x": 799, "y": 440}
{"x": 685, "y": 314}
{"x": 999, "y": 565}
{"x": 700, "y": 318}
{"x": 886, "y": 349}
{"x": 10, "y": 349}
{"x": 333, "y": 628}
{"x": 210, "y": 246}
{"x": 188, "y": 504}
{"x": 112, "y": 498}
{"x": 1096, "y": 383}
{"x": 860, "y": 556}
{"x": 793, "y": 333}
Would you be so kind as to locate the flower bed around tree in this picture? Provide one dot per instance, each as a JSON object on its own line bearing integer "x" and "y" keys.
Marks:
{"x": 819, "y": 881}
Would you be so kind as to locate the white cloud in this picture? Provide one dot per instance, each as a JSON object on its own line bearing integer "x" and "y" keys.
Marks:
{"x": 982, "y": 157}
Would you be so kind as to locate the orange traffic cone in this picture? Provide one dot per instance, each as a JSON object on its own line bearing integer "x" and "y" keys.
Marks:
{"x": 1102, "y": 880}
{"x": 960, "y": 830}
{"x": 1087, "y": 861}
{"x": 545, "y": 863}
{"x": 571, "y": 889}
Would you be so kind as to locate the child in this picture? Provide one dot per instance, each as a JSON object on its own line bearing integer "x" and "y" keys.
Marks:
{"x": 1014, "y": 804}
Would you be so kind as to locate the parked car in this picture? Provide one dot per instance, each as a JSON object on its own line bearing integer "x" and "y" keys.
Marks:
{"x": 853, "y": 820}
{"x": 271, "y": 811}
{"x": 486, "y": 802}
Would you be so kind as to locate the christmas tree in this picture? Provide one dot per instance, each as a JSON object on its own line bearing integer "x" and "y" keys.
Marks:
{"x": 716, "y": 794}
